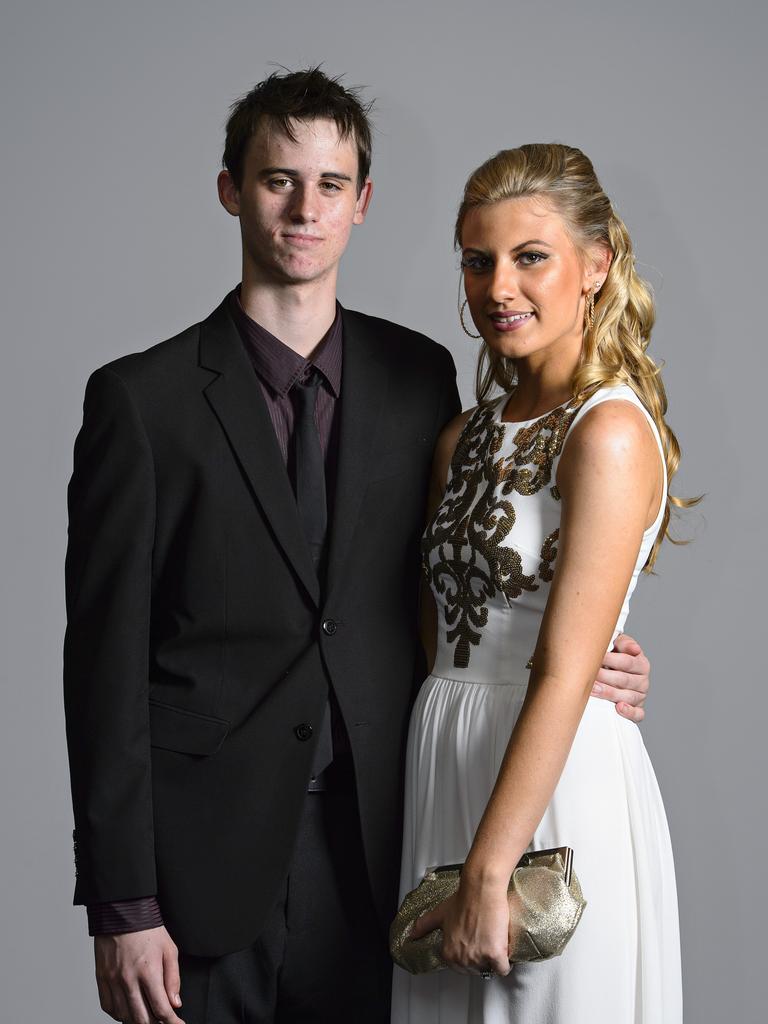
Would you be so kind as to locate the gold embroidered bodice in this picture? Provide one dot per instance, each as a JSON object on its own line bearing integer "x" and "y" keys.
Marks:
{"x": 490, "y": 549}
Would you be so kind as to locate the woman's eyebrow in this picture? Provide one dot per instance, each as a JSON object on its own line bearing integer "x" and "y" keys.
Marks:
{"x": 532, "y": 241}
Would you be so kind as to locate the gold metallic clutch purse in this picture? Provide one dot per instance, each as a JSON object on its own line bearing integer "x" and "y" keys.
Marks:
{"x": 545, "y": 902}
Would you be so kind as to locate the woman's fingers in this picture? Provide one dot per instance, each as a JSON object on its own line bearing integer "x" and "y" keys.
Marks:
{"x": 474, "y": 956}
{"x": 427, "y": 923}
{"x": 480, "y": 960}
{"x": 497, "y": 961}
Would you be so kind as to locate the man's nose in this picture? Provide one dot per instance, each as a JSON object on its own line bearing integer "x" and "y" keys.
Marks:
{"x": 303, "y": 207}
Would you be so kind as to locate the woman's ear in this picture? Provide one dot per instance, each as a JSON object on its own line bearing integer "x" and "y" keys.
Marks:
{"x": 601, "y": 264}
{"x": 597, "y": 263}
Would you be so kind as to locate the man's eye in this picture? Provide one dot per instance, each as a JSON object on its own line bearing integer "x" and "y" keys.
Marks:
{"x": 330, "y": 186}
{"x": 279, "y": 182}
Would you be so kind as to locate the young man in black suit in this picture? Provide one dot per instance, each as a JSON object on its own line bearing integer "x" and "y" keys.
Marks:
{"x": 241, "y": 653}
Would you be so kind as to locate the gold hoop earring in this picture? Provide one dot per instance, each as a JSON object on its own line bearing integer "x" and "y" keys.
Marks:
{"x": 463, "y": 325}
{"x": 589, "y": 311}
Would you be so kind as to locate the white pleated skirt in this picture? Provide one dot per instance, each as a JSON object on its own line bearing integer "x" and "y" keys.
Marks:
{"x": 622, "y": 965}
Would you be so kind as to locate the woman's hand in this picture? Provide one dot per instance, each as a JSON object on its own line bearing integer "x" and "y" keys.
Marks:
{"x": 476, "y": 929}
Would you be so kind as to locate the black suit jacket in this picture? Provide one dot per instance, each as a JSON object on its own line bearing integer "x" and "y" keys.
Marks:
{"x": 199, "y": 643}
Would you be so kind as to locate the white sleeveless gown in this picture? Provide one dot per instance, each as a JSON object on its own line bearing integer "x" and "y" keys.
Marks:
{"x": 489, "y": 555}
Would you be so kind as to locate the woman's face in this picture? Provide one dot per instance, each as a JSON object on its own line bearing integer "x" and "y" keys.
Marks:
{"x": 525, "y": 280}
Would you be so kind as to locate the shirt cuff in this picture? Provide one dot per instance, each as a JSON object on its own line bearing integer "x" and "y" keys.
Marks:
{"x": 124, "y": 916}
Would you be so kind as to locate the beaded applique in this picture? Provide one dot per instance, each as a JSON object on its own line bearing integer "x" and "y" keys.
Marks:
{"x": 548, "y": 555}
{"x": 464, "y": 556}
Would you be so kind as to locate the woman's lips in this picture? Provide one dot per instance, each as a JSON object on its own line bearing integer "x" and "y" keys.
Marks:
{"x": 510, "y": 321}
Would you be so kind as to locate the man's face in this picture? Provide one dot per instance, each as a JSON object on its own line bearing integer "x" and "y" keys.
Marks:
{"x": 297, "y": 202}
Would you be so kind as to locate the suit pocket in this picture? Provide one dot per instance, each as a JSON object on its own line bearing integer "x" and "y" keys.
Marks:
{"x": 186, "y": 732}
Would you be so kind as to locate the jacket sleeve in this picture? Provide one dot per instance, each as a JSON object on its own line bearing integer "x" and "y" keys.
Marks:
{"x": 450, "y": 401}
{"x": 111, "y": 502}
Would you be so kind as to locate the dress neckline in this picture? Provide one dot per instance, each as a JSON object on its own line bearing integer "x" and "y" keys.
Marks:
{"x": 501, "y": 405}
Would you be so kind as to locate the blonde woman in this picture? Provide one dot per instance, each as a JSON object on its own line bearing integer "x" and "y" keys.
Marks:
{"x": 547, "y": 503}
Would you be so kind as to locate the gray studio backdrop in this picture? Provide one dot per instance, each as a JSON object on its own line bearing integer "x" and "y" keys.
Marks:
{"x": 112, "y": 238}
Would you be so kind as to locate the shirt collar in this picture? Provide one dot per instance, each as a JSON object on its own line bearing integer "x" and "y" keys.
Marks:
{"x": 277, "y": 364}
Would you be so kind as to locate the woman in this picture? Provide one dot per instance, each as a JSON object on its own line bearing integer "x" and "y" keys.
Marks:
{"x": 546, "y": 505}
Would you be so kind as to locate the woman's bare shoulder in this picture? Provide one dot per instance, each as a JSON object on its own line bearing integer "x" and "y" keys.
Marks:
{"x": 612, "y": 448}
{"x": 612, "y": 429}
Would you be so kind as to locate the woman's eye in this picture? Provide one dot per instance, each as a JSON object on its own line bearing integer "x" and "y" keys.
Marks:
{"x": 530, "y": 259}
{"x": 472, "y": 262}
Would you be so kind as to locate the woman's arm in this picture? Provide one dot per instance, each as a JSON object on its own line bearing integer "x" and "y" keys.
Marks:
{"x": 610, "y": 480}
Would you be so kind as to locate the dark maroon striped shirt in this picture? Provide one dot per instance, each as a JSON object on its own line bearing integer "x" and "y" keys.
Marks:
{"x": 277, "y": 368}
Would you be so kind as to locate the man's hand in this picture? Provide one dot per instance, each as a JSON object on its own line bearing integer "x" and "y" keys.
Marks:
{"x": 624, "y": 678}
{"x": 137, "y": 975}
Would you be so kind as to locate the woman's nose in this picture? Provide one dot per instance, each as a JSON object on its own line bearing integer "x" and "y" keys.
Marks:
{"x": 503, "y": 284}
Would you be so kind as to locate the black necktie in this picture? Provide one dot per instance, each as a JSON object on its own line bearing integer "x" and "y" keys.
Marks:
{"x": 309, "y": 484}
{"x": 309, "y": 478}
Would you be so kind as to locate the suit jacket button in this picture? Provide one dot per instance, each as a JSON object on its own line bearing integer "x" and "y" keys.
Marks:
{"x": 330, "y": 626}
{"x": 303, "y": 732}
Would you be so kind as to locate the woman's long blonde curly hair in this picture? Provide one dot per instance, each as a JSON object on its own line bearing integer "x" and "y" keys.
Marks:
{"x": 614, "y": 348}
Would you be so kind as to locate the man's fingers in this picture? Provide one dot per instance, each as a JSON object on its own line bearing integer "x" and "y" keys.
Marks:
{"x": 157, "y": 1000}
{"x": 617, "y": 662}
{"x": 624, "y": 678}
{"x": 633, "y": 714}
{"x": 137, "y": 1007}
{"x": 629, "y": 704}
{"x": 617, "y": 694}
{"x": 137, "y": 974}
{"x": 627, "y": 644}
{"x": 120, "y": 1010}
{"x": 623, "y": 681}
{"x": 105, "y": 996}
{"x": 171, "y": 976}
{"x": 632, "y": 664}
{"x": 627, "y": 656}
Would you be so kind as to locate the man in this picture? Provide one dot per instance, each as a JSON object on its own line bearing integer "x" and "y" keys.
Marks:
{"x": 241, "y": 653}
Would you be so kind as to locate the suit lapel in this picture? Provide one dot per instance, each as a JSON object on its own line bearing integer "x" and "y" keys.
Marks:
{"x": 364, "y": 385}
{"x": 237, "y": 401}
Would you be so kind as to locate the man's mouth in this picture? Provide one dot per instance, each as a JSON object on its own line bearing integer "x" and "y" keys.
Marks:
{"x": 302, "y": 240}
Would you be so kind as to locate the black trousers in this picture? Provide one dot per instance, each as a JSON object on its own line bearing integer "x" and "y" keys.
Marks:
{"x": 323, "y": 956}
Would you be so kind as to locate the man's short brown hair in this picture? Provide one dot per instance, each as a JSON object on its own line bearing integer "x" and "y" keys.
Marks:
{"x": 283, "y": 99}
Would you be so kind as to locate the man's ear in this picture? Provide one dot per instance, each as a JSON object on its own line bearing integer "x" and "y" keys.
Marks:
{"x": 363, "y": 202}
{"x": 229, "y": 195}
